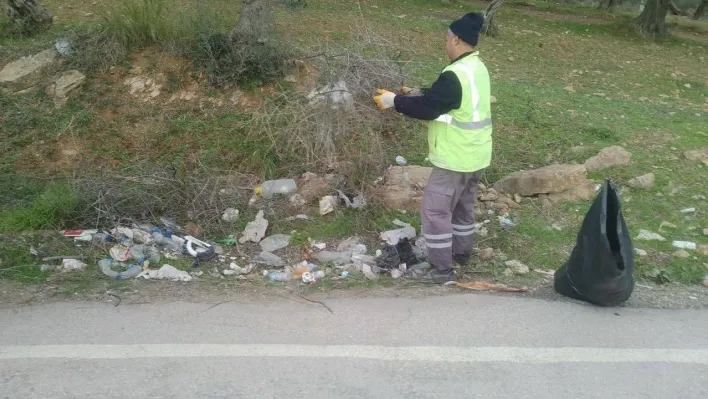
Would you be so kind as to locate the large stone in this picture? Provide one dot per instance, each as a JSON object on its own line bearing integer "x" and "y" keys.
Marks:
{"x": 65, "y": 84}
{"x": 27, "y": 71}
{"x": 583, "y": 192}
{"x": 700, "y": 155}
{"x": 315, "y": 188}
{"x": 644, "y": 181}
{"x": 404, "y": 187}
{"x": 608, "y": 157}
{"x": 549, "y": 179}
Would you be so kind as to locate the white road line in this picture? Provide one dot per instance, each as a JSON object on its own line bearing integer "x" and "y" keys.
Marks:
{"x": 383, "y": 353}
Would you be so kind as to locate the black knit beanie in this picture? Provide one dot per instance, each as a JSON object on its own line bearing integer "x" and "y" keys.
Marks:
{"x": 468, "y": 27}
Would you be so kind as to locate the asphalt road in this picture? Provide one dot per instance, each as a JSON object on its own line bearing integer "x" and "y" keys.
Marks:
{"x": 432, "y": 347}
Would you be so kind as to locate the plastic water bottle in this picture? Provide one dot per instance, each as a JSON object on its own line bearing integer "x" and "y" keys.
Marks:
{"x": 271, "y": 188}
{"x": 280, "y": 276}
{"x": 102, "y": 237}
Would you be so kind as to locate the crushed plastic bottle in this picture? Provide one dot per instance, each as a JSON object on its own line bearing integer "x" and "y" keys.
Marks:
{"x": 279, "y": 276}
{"x": 271, "y": 188}
{"x": 101, "y": 237}
{"x": 107, "y": 265}
{"x": 401, "y": 161}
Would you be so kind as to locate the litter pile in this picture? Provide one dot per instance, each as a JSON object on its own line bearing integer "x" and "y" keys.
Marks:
{"x": 134, "y": 249}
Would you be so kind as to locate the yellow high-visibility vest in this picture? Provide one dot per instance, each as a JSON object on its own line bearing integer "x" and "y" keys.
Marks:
{"x": 461, "y": 140}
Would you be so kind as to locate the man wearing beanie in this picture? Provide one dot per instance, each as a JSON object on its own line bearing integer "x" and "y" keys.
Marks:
{"x": 458, "y": 107}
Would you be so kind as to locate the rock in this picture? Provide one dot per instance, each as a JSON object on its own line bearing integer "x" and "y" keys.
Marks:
{"x": 517, "y": 267}
{"x": 488, "y": 197}
{"x": 486, "y": 254}
{"x": 640, "y": 252}
{"x": 404, "y": 187}
{"x": 682, "y": 253}
{"x": 255, "y": 230}
{"x": 702, "y": 250}
{"x": 608, "y": 157}
{"x": 705, "y": 232}
{"x": 700, "y": 155}
{"x": 517, "y": 198}
{"x": 27, "y": 71}
{"x": 230, "y": 215}
{"x": 65, "y": 84}
{"x": 644, "y": 181}
{"x": 569, "y": 89}
{"x": 667, "y": 225}
{"x": 492, "y": 99}
{"x": 645, "y": 235}
{"x": 581, "y": 193}
{"x": 315, "y": 188}
{"x": 549, "y": 179}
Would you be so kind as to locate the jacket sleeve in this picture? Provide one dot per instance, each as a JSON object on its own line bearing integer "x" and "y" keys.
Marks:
{"x": 442, "y": 97}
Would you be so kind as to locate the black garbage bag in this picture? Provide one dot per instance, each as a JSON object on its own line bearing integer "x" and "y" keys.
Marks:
{"x": 599, "y": 270}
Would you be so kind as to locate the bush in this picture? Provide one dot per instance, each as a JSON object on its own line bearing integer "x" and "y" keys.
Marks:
{"x": 47, "y": 211}
{"x": 240, "y": 60}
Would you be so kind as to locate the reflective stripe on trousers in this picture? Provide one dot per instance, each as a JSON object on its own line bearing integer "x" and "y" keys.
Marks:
{"x": 447, "y": 215}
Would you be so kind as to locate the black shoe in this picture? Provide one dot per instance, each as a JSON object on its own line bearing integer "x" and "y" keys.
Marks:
{"x": 437, "y": 277}
{"x": 461, "y": 259}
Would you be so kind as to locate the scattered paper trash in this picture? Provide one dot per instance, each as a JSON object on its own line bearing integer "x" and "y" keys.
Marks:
{"x": 120, "y": 253}
{"x": 230, "y": 215}
{"x": 392, "y": 237}
{"x": 505, "y": 222}
{"x": 275, "y": 242}
{"x": 356, "y": 203}
{"x": 72, "y": 264}
{"x": 327, "y": 204}
{"x": 166, "y": 272}
{"x": 688, "y": 210}
{"x": 255, "y": 230}
{"x": 369, "y": 273}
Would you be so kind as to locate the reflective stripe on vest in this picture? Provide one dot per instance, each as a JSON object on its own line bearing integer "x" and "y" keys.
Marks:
{"x": 476, "y": 122}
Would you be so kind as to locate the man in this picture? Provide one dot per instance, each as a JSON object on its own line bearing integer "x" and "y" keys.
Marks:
{"x": 458, "y": 107}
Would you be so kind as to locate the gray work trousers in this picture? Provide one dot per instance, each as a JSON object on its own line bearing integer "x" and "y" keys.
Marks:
{"x": 447, "y": 216}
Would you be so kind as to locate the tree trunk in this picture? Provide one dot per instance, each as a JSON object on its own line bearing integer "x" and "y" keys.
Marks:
{"x": 674, "y": 10}
{"x": 254, "y": 22}
{"x": 651, "y": 23}
{"x": 608, "y": 5}
{"x": 701, "y": 10}
{"x": 27, "y": 14}
{"x": 490, "y": 28}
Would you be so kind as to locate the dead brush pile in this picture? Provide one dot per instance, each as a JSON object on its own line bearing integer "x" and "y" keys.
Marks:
{"x": 335, "y": 127}
{"x": 201, "y": 197}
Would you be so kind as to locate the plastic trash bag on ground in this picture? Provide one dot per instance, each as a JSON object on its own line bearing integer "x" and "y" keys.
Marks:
{"x": 599, "y": 270}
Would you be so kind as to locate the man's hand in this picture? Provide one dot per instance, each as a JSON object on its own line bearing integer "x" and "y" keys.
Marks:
{"x": 385, "y": 99}
{"x": 410, "y": 91}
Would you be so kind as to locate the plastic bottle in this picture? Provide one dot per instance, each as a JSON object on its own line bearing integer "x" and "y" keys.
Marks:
{"x": 137, "y": 252}
{"x": 280, "y": 276}
{"x": 271, "y": 188}
{"x": 102, "y": 237}
{"x": 171, "y": 244}
{"x": 106, "y": 267}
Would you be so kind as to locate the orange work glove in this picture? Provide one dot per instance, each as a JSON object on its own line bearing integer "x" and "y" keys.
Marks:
{"x": 384, "y": 100}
